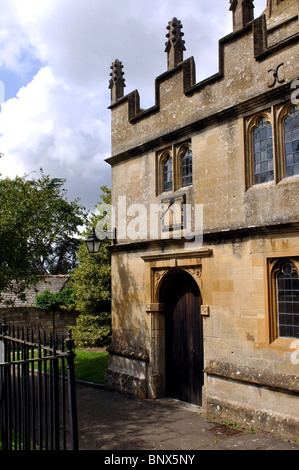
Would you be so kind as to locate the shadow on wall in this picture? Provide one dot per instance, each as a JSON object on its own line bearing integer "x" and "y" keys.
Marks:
{"x": 128, "y": 321}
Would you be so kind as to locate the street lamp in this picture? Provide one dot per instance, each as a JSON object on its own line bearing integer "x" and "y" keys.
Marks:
{"x": 93, "y": 243}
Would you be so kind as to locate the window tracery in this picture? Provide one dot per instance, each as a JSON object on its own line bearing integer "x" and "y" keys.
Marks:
{"x": 291, "y": 142}
{"x": 174, "y": 168}
{"x": 284, "y": 298}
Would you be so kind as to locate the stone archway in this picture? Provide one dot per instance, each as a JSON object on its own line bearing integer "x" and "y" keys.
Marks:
{"x": 160, "y": 271}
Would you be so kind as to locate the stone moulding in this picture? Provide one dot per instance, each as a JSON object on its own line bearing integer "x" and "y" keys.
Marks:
{"x": 155, "y": 307}
{"x": 217, "y": 236}
{"x": 275, "y": 425}
{"x": 128, "y": 351}
{"x": 247, "y": 106}
{"x": 274, "y": 381}
{"x": 201, "y": 253}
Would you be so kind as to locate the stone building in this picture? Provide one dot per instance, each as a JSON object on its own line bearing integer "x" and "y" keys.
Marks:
{"x": 205, "y": 190}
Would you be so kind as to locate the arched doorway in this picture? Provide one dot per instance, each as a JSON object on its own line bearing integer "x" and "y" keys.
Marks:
{"x": 183, "y": 338}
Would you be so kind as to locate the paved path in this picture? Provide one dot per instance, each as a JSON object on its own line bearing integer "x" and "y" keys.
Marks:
{"x": 110, "y": 421}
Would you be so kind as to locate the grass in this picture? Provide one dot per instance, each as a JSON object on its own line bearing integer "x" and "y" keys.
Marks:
{"x": 16, "y": 444}
{"x": 90, "y": 365}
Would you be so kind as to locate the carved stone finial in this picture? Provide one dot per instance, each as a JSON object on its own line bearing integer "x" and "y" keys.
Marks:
{"x": 117, "y": 82}
{"x": 175, "y": 45}
{"x": 242, "y": 12}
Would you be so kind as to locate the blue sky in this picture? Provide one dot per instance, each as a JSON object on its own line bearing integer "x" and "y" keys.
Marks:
{"x": 13, "y": 79}
{"x": 55, "y": 58}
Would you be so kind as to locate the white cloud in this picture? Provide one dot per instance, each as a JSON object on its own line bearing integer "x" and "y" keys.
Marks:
{"x": 59, "y": 120}
{"x": 52, "y": 125}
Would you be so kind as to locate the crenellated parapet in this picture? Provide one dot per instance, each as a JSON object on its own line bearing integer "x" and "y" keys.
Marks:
{"x": 279, "y": 10}
{"x": 246, "y": 57}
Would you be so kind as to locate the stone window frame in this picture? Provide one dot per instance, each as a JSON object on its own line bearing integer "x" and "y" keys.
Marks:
{"x": 168, "y": 173}
{"x": 276, "y": 116}
{"x": 281, "y": 114}
{"x": 162, "y": 156}
{"x": 251, "y": 124}
{"x": 274, "y": 266}
{"x": 182, "y": 149}
{"x": 176, "y": 152}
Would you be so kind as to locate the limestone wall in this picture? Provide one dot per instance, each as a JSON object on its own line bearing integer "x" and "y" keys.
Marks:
{"x": 37, "y": 319}
{"x": 250, "y": 375}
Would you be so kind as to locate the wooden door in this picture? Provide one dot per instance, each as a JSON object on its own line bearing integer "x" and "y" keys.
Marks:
{"x": 184, "y": 340}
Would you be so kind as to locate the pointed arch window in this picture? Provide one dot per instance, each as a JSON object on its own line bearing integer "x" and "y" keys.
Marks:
{"x": 291, "y": 142}
{"x": 284, "y": 298}
{"x": 287, "y": 291}
{"x": 167, "y": 174}
{"x": 187, "y": 168}
{"x": 174, "y": 167}
{"x": 263, "y": 168}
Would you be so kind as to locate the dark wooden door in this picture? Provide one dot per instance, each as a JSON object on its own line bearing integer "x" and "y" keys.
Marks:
{"x": 184, "y": 340}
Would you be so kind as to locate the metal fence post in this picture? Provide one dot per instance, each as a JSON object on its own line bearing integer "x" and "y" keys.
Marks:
{"x": 56, "y": 396}
{"x": 72, "y": 391}
{"x": 33, "y": 399}
{"x": 25, "y": 397}
{"x": 3, "y": 332}
{"x": 4, "y": 374}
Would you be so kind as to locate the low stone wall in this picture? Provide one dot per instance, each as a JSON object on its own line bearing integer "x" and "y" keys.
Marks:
{"x": 36, "y": 319}
{"x": 262, "y": 400}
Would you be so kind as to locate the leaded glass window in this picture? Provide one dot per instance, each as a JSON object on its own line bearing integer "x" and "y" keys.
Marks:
{"x": 287, "y": 287}
{"x": 263, "y": 170}
{"x": 167, "y": 174}
{"x": 187, "y": 168}
{"x": 291, "y": 140}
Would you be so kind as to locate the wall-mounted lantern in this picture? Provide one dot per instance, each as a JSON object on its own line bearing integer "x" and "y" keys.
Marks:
{"x": 93, "y": 243}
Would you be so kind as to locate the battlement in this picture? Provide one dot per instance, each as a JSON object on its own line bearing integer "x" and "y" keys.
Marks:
{"x": 245, "y": 57}
{"x": 278, "y": 11}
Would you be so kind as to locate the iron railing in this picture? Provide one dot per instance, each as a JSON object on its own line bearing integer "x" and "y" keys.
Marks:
{"x": 38, "y": 408}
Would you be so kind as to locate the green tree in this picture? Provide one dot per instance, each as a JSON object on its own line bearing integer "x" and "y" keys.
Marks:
{"x": 92, "y": 277}
{"x": 91, "y": 282}
{"x": 62, "y": 258}
{"x": 52, "y": 300}
{"x": 35, "y": 219}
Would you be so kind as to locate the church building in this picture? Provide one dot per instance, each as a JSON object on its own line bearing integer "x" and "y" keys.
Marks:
{"x": 205, "y": 196}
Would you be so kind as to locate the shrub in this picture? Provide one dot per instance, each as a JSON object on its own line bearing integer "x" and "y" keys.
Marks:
{"x": 92, "y": 330}
{"x": 49, "y": 300}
